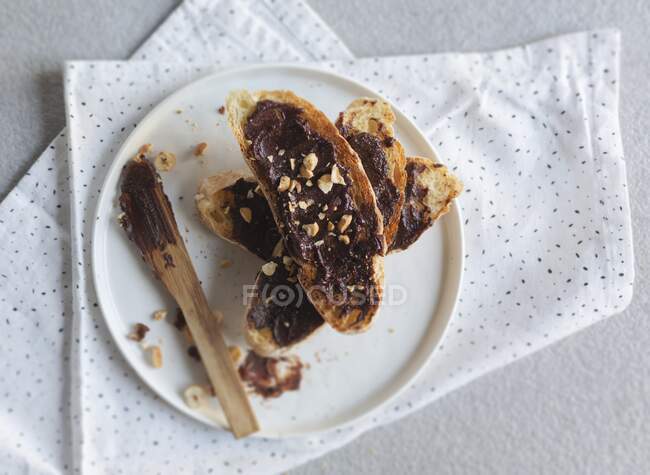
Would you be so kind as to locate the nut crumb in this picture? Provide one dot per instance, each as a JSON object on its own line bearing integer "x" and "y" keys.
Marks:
{"x": 325, "y": 183}
{"x": 281, "y": 152}
{"x": 285, "y": 183}
{"x": 344, "y": 223}
{"x": 344, "y": 239}
{"x": 330, "y": 226}
{"x": 165, "y": 161}
{"x": 278, "y": 248}
{"x": 310, "y": 162}
{"x": 235, "y": 353}
{"x": 155, "y": 355}
{"x": 160, "y": 315}
{"x": 292, "y": 162}
{"x": 269, "y": 268}
{"x": 225, "y": 263}
{"x": 145, "y": 150}
{"x": 139, "y": 332}
{"x": 336, "y": 175}
{"x": 221, "y": 110}
{"x": 246, "y": 214}
{"x": 311, "y": 229}
{"x": 200, "y": 149}
{"x": 195, "y": 396}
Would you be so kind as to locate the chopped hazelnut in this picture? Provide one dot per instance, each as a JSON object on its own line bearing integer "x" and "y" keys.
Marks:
{"x": 155, "y": 355}
{"x": 235, "y": 353}
{"x": 308, "y": 183}
{"x": 295, "y": 185}
{"x": 144, "y": 150}
{"x": 165, "y": 161}
{"x": 281, "y": 152}
{"x": 285, "y": 182}
{"x": 330, "y": 226}
{"x": 321, "y": 216}
{"x": 310, "y": 162}
{"x": 325, "y": 183}
{"x": 311, "y": 229}
{"x": 302, "y": 204}
{"x": 344, "y": 223}
{"x": 336, "y": 176}
{"x": 344, "y": 239}
{"x": 246, "y": 214}
{"x": 195, "y": 396}
{"x": 139, "y": 332}
{"x": 320, "y": 242}
{"x": 270, "y": 158}
{"x": 292, "y": 163}
{"x": 199, "y": 150}
{"x": 160, "y": 315}
{"x": 269, "y": 268}
{"x": 305, "y": 173}
{"x": 278, "y": 248}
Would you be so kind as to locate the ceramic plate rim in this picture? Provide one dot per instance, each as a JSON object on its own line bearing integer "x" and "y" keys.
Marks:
{"x": 452, "y": 219}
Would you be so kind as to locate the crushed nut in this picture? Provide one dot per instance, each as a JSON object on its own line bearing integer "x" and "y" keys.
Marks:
{"x": 165, "y": 161}
{"x": 155, "y": 356}
{"x": 160, "y": 315}
{"x": 344, "y": 239}
{"x": 281, "y": 152}
{"x": 320, "y": 242}
{"x": 311, "y": 229}
{"x": 139, "y": 332}
{"x": 292, "y": 162}
{"x": 287, "y": 261}
{"x": 246, "y": 214}
{"x": 144, "y": 150}
{"x": 195, "y": 396}
{"x": 330, "y": 226}
{"x": 278, "y": 248}
{"x": 249, "y": 194}
{"x": 344, "y": 223}
{"x": 308, "y": 183}
{"x": 325, "y": 183}
{"x": 270, "y": 158}
{"x": 292, "y": 206}
{"x": 269, "y": 268}
{"x": 285, "y": 182}
{"x": 310, "y": 162}
{"x": 302, "y": 204}
{"x": 336, "y": 176}
{"x": 324, "y": 208}
{"x": 199, "y": 150}
{"x": 321, "y": 216}
{"x": 295, "y": 185}
{"x": 235, "y": 353}
{"x": 305, "y": 173}
{"x": 225, "y": 263}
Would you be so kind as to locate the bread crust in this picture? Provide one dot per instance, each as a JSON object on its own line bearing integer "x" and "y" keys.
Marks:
{"x": 376, "y": 117}
{"x": 343, "y": 318}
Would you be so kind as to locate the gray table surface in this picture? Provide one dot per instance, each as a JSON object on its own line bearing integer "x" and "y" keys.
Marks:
{"x": 580, "y": 406}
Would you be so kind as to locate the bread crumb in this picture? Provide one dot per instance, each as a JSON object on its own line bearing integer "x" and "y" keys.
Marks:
{"x": 145, "y": 150}
{"x": 160, "y": 315}
{"x": 200, "y": 149}
{"x": 155, "y": 356}
{"x": 165, "y": 161}
{"x": 139, "y": 332}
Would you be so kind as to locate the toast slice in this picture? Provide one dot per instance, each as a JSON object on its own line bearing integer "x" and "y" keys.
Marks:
{"x": 321, "y": 199}
{"x": 232, "y": 206}
{"x": 430, "y": 189}
{"x": 367, "y": 125}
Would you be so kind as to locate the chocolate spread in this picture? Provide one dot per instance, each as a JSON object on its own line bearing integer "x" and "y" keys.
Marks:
{"x": 282, "y": 306}
{"x": 279, "y": 136}
{"x": 146, "y": 208}
{"x": 415, "y": 217}
{"x": 375, "y": 164}
{"x": 271, "y": 377}
{"x": 260, "y": 235}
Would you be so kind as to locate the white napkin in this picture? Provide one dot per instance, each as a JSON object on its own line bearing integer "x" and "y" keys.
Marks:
{"x": 532, "y": 131}
{"x": 39, "y": 388}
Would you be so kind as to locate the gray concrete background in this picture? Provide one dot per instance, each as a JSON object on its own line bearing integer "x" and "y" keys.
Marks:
{"x": 580, "y": 406}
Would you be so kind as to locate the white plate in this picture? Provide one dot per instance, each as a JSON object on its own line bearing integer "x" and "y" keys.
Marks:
{"x": 347, "y": 376}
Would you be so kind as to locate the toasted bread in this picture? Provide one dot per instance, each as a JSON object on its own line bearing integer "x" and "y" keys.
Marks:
{"x": 367, "y": 125}
{"x": 430, "y": 189}
{"x": 286, "y": 141}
